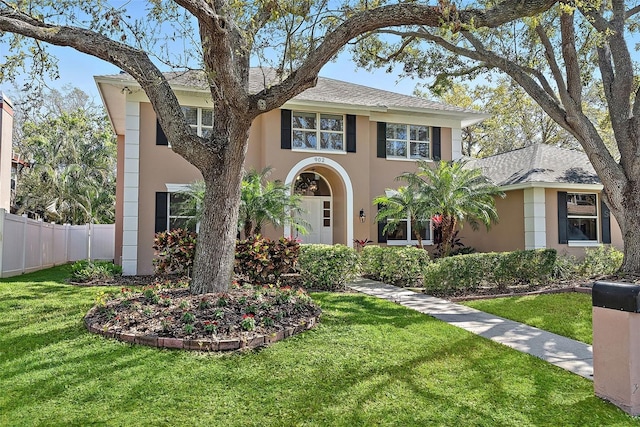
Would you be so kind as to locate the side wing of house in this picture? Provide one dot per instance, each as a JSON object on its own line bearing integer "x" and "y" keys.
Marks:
{"x": 566, "y": 219}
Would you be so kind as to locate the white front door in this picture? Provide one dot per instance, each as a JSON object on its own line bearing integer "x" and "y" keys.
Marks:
{"x": 318, "y": 215}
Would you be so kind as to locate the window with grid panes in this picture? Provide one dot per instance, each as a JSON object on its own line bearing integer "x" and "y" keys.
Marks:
{"x": 200, "y": 119}
{"x": 582, "y": 216}
{"x": 408, "y": 141}
{"x": 317, "y": 131}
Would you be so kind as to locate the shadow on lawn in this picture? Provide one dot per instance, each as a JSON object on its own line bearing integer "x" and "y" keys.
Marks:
{"x": 368, "y": 360}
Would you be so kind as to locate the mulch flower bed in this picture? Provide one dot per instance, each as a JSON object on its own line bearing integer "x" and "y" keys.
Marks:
{"x": 245, "y": 316}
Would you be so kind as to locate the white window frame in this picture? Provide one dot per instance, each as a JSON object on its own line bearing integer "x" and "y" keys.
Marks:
{"x": 583, "y": 243}
{"x": 199, "y": 127}
{"x": 319, "y": 133}
{"x": 408, "y": 142}
{"x": 413, "y": 241}
{"x": 170, "y": 217}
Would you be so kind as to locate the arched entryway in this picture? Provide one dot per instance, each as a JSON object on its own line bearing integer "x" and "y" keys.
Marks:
{"x": 317, "y": 207}
{"x": 327, "y": 194}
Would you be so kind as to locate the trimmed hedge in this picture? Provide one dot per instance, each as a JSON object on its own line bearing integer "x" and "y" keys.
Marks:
{"x": 447, "y": 275}
{"x": 327, "y": 267}
{"x": 399, "y": 266}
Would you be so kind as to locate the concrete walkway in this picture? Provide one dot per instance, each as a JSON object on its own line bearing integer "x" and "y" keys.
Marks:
{"x": 566, "y": 353}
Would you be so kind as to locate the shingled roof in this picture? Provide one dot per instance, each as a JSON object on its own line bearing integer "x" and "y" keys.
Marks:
{"x": 326, "y": 91}
{"x": 538, "y": 163}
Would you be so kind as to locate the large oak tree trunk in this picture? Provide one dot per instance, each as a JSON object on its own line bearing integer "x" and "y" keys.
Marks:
{"x": 215, "y": 252}
{"x": 630, "y": 225}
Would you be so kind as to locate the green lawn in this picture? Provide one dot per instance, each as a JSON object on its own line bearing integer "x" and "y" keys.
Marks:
{"x": 567, "y": 314}
{"x": 369, "y": 362}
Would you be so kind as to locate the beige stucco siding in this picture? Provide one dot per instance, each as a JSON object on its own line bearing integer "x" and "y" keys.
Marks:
{"x": 507, "y": 234}
{"x": 159, "y": 165}
{"x": 361, "y": 174}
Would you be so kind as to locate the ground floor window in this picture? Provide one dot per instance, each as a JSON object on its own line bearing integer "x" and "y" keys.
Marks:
{"x": 181, "y": 212}
{"x": 403, "y": 233}
{"x": 582, "y": 216}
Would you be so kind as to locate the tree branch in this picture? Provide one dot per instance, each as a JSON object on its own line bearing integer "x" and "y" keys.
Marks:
{"x": 551, "y": 59}
{"x": 631, "y": 12}
{"x": 260, "y": 18}
{"x": 133, "y": 61}
{"x": 388, "y": 16}
{"x": 571, "y": 65}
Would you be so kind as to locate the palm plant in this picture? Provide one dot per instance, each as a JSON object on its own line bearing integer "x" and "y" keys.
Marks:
{"x": 267, "y": 202}
{"x": 398, "y": 205}
{"x": 261, "y": 202}
{"x": 72, "y": 178}
{"x": 455, "y": 195}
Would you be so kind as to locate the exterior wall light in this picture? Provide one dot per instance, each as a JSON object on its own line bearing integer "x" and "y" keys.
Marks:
{"x": 363, "y": 217}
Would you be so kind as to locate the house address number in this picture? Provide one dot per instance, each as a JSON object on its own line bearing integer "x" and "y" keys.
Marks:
{"x": 319, "y": 159}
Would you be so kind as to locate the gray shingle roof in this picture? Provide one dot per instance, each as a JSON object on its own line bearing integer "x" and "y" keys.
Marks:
{"x": 538, "y": 163}
{"x": 326, "y": 91}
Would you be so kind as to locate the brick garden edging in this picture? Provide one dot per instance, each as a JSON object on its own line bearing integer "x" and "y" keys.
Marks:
{"x": 244, "y": 342}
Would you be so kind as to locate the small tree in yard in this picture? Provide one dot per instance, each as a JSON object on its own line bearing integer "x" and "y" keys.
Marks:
{"x": 452, "y": 193}
{"x": 261, "y": 202}
{"x": 267, "y": 202}
{"x": 301, "y": 35}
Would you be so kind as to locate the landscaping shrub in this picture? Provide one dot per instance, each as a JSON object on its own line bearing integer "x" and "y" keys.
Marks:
{"x": 467, "y": 272}
{"x": 264, "y": 261}
{"x": 399, "y": 266}
{"x": 565, "y": 268}
{"x": 86, "y": 271}
{"x": 175, "y": 251}
{"x": 258, "y": 260}
{"x": 327, "y": 267}
{"x": 599, "y": 261}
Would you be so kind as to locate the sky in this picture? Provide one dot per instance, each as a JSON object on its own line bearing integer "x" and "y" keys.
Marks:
{"x": 78, "y": 69}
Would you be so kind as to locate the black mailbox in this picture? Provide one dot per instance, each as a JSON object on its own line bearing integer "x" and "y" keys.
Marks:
{"x": 616, "y": 296}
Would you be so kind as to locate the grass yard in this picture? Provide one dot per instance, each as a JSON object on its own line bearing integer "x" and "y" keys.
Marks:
{"x": 369, "y": 362}
{"x": 566, "y": 314}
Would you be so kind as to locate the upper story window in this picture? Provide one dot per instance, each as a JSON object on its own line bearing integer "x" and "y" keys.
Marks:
{"x": 582, "y": 216}
{"x": 316, "y": 131}
{"x": 408, "y": 141}
{"x": 200, "y": 119}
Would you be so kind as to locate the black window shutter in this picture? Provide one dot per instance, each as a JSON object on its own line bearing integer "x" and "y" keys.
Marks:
{"x": 351, "y": 133}
{"x": 382, "y": 238}
{"x": 161, "y": 138}
{"x": 563, "y": 223}
{"x": 161, "y": 211}
{"x": 436, "y": 146}
{"x": 382, "y": 140}
{"x": 605, "y": 222}
{"x": 285, "y": 129}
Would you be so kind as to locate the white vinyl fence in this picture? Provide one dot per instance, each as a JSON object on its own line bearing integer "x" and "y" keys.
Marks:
{"x": 28, "y": 245}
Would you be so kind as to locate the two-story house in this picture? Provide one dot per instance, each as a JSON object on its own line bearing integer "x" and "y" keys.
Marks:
{"x": 338, "y": 144}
